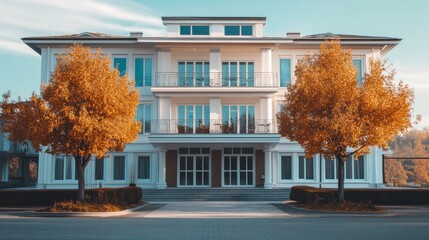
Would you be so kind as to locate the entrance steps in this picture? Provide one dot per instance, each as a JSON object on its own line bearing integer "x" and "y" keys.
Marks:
{"x": 215, "y": 194}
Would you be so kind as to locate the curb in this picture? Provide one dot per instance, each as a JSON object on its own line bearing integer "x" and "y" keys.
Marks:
{"x": 83, "y": 214}
{"x": 383, "y": 214}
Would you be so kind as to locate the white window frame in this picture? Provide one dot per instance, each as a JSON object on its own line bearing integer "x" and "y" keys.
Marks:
{"x": 73, "y": 169}
{"x": 104, "y": 169}
{"x": 305, "y": 169}
{"x": 151, "y": 163}
{"x": 279, "y": 169}
{"x": 151, "y": 117}
{"x": 144, "y": 56}
{"x": 126, "y": 174}
{"x": 346, "y": 180}
{"x": 128, "y": 68}
{"x": 194, "y": 169}
{"x": 238, "y": 167}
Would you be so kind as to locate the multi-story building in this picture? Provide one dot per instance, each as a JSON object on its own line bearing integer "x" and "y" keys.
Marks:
{"x": 209, "y": 93}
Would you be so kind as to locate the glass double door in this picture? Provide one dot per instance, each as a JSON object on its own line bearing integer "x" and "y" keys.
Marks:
{"x": 238, "y": 170}
{"x": 194, "y": 171}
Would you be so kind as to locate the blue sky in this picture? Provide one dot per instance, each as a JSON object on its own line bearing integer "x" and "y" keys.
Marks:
{"x": 20, "y": 66}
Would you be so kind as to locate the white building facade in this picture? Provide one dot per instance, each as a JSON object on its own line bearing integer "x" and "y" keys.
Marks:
{"x": 209, "y": 93}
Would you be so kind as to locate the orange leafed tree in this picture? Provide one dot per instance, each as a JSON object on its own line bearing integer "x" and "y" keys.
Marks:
{"x": 327, "y": 111}
{"x": 394, "y": 172}
{"x": 85, "y": 110}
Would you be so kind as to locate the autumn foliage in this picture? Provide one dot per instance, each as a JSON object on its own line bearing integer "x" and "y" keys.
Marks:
{"x": 85, "y": 110}
{"x": 326, "y": 110}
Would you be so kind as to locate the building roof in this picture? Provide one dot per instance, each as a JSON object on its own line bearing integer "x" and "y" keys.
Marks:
{"x": 84, "y": 35}
{"x": 328, "y": 35}
{"x": 214, "y": 18}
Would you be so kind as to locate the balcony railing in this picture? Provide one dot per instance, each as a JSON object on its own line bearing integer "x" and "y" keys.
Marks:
{"x": 213, "y": 126}
{"x": 195, "y": 79}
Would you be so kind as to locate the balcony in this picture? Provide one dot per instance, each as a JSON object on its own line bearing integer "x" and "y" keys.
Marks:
{"x": 202, "y": 80}
{"x": 165, "y": 132}
{"x": 178, "y": 126}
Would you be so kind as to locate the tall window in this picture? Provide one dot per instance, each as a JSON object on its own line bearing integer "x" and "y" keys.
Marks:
{"x": 286, "y": 167}
{"x": 64, "y": 168}
{"x": 358, "y": 65}
{"x": 285, "y": 72}
{"x": 144, "y": 116}
{"x": 194, "y": 30}
{"x": 3, "y": 169}
{"x": 143, "y": 71}
{"x": 238, "y": 119}
{"x": 330, "y": 168}
{"x": 121, "y": 64}
{"x": 119, "y": 168}
{"x": 99, "y": 169}
{"x": 194, "y": 74}
{"x": 193, "y": 118}
{"x": 238, "y": 30}
{"x": 238, "y": 74}
{"x": 306, "y": 168}
{"x": 354, "y": 169}
{"x": 143, "y": 167}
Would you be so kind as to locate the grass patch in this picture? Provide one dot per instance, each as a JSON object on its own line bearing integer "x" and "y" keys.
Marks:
{"x": 346, "y": 207}
{"x": 75, "y": 206}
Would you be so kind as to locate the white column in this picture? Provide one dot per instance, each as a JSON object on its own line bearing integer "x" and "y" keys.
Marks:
{"x": 164, "y": 115}
{"x": 215, "y": 115}
{"x": 215, "y": 67}
{"x": 266, "y": 67}
{"x": 161, "y": 184}
{"x": 164, "y": 65}
{"x": 268, "y": 167}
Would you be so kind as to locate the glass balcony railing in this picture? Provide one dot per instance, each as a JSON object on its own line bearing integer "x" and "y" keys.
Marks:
{"x": 240, "y": 126}
{"x": 195, "y": 79}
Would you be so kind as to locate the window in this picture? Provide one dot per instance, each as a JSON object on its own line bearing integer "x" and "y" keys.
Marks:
{"x": 119, "y": 168}
{"x": 120, "y": 63}
{"x": 286, "y": 167}
{"x": 143, "y": 167}
{"x": 358, "y": 65}
{"x": 354, "y": 169}
{"x": 99, "y": 169}
{"x": 238, "y": 30}
{"x": 306, "y": 168}
{"x": 193, "y": 119}
{"x": 285, "y": 72}
{"x": 193, "y": 74}
{"x": 64, "y": 168}
{"x": 194, "y": 167}
{"x": 3, "y": 169}
{"x": 143, "y": 71}
{"x": 238, "y": 119}
{"x": 194, "y": 30}
{"x": 330, "y": 168}
{"x": 144, "y": 116}
{"x": 238, "y": 74}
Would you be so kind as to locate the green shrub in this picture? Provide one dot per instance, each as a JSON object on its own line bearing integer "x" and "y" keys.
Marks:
{"x": 306, "y": 194}
{"x": 47, "y": 197}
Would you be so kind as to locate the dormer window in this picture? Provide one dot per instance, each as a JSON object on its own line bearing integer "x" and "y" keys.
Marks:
{"x": 238, "y": 30}
{"x": 194, "y": 30}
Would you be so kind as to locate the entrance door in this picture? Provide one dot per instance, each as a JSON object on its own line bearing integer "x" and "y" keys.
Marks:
{"x": 238, "y": 170}
{"x": 194, "y": 171}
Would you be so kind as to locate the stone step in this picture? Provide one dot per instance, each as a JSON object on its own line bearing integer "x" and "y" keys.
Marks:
{"x": 216, "y": 194}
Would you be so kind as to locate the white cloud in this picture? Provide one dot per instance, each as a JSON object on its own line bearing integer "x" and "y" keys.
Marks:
{"x": 23, "y": 18}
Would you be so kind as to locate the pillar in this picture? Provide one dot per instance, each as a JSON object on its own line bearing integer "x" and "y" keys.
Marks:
{"x": 268, "y": 167}
{"x": 161, "y": 183}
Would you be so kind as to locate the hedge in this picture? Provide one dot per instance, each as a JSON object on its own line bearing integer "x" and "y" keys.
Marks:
{"x": 306, "y": 194}
{"x": 47, "y": 197}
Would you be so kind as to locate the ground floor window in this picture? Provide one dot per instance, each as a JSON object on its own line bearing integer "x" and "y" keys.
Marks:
{"x": 3, "y": 169}
{"x": 353, "y": 169}
{"x": 306, "y": 168}
{"x": 238, "y": 167}
{"x": 119, "y": 168}
{"x": 64, "y": 168}
{"x": 99, "y": 168}
{"x": 286, "y": 167}
{"x": 143, "y": 167}
{"x": 194, "y": 166}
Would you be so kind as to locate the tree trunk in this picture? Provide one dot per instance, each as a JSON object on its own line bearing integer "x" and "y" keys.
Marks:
{"x": 81, "y": 182}
{"x": 340, "y": 176}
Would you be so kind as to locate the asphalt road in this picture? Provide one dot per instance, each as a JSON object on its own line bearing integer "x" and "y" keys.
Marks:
{"x": 224, "y": 221}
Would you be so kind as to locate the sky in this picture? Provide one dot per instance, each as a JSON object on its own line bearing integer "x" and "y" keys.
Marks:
{"x": 20, "y": 66}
